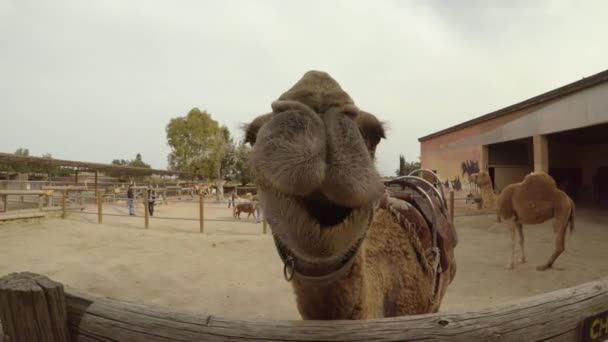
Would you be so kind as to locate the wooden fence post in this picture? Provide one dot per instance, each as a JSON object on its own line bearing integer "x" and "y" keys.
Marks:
{"x": 64, "y": 207}
{"x": 146, "y": 208}
{"x": 99, "y": 209}
{"x": 201, "y": 215}
{"x": 452, "y": 206}
{"x": 33, "y": 309}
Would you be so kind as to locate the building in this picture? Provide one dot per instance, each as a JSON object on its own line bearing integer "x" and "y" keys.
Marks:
{"x": 563, "y": 132}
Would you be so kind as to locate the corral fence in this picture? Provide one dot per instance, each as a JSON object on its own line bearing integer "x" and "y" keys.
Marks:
{"x": 192, "y": 198}
{"x": 34, "y": 308}
{"x": 66, "y": 199}
{"x": 79, "y": 199}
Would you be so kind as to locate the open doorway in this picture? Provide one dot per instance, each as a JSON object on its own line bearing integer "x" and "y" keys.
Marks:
{"x": 509, "y": 162}
{"x": 579, "y": 163}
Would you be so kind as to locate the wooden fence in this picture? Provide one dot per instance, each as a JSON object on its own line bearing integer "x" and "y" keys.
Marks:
{"x": 34, "y": 308}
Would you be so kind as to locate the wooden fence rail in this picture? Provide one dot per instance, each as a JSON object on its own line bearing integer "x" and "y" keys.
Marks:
{"x": 554, "y": 316}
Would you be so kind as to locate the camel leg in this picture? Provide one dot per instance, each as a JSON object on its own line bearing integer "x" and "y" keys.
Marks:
{"x": 520, "y": 233}
{"x": 512, "y": 228}
{"x": 559, "y": 230}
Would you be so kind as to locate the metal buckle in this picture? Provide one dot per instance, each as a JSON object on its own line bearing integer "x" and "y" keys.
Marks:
{"x": 289, "y": 268}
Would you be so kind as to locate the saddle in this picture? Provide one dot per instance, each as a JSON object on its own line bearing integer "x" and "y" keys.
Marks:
{"x": 419, "y": 205}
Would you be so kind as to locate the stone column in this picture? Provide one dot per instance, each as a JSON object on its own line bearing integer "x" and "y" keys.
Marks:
{"x": 541, "y": 153}
{"x": 485, "y": 158}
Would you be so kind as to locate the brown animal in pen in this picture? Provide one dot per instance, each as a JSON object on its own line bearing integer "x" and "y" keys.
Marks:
{"x": 245, "y": 208}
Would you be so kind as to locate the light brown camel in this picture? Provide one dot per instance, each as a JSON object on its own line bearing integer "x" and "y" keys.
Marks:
{"x": 534, "y": 200}
{"x": 486, "y": 190}
{"x": 352, "y": 249}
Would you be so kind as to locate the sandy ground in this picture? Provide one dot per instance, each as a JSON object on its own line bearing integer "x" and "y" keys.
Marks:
{"x": 233, "y": 270}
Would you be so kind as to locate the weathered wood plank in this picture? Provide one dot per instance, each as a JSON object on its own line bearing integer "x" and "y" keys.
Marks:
{"x": 33, "y": 309}
{"x": 78, "y": 188}
{"x": 25, "y": 192}
{"x": 21, "y": 214}
{"x": 554, "y": 316}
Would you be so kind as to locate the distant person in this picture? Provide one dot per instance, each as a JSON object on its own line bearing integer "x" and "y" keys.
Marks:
{"x": 258, "y": 209}
{"x": 151, "y": 201}
{"x": 232, "y": 199}
{"x": 130, "y": 200}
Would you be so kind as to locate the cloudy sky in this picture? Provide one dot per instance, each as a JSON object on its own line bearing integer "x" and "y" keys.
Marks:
{"x": 98, "y": 80}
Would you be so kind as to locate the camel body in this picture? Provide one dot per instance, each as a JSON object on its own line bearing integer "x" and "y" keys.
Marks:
{"x": 534, "y": 200}
{"x": 351, "y": 248}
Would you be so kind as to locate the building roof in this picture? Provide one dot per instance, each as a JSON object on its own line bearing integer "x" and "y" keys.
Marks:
{"x": 10, "y": 158}
{"x": 568, "y": 89}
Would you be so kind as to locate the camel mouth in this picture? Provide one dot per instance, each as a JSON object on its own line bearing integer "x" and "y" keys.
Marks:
{"x": 324, "y": 211}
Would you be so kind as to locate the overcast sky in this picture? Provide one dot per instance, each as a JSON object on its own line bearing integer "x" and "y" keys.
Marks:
{"x": 98, "y": 80}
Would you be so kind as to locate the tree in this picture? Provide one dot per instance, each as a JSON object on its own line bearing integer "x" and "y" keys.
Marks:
{"x": 228, "y": 164}
{"x": 242, "y": 168}
{"x": 138, "y": 162}
{"x": 22, "y": 152}
{"x": 21, "y": 168}
{"x": 402, "y": 166}
{"x": 198, "y": 145}
{"x": 405, "y": 168}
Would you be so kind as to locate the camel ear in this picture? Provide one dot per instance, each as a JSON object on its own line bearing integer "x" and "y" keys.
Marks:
{"x": 251, "y": 129}
{"x": 372, "y": 129}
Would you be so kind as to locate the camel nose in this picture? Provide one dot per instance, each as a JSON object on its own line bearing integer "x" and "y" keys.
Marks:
{"x": 290, "y": 150}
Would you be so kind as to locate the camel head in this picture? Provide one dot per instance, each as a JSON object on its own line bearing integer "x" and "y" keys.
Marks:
{"x": 481, "y": 179}
{"x": 313, "y": 161}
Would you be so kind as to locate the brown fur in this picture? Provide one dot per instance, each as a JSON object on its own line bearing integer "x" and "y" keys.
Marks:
{"x": 534, "y": 200}
{"x": 484, "y": 182}
{"x": 313, "y": 159}
{"x": 248, "y": 208}
{"x": 385, "y": 280}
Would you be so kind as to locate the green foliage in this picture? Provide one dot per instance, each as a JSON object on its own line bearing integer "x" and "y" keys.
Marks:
{"x": 137, "y": 162}
{"x": 405, "y": 168}
{"x": 52, "y": 171}
{"x": 22, "y": 152}
{"x": 200, "y": 145}
{"x": 242, "y": 168}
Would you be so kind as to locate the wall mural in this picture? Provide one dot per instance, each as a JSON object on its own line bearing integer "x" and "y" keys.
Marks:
{"x": 453, "y": 164}
{"x": 467, "y": 168}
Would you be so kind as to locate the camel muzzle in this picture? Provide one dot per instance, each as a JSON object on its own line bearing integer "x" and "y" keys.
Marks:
{"x": 301, "y": 153}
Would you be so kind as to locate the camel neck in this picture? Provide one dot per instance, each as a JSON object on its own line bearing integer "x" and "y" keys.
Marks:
{"x": 339, "y": 298}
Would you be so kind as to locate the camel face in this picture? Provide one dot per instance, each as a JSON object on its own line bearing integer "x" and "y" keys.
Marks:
{"x": 481, "y": 179}
{"x": 313, "y": 160}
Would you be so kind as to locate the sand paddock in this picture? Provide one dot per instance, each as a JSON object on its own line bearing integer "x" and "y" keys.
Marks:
{"x": 233, "y": 270}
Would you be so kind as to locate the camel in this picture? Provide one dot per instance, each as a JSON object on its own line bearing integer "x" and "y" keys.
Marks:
{"x": 534, "y": 200}
{"x": 486, "y": 189}
{"x": 351, "y": 248}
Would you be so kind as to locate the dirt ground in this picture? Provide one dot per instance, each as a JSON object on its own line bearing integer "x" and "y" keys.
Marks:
{"x": 233, "y": 269}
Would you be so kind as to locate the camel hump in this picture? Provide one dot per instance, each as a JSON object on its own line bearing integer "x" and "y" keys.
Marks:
{"x": 539, "y": 181}
{"x": 535, "y": 190}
